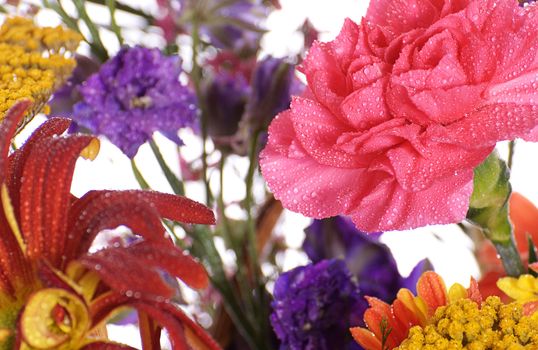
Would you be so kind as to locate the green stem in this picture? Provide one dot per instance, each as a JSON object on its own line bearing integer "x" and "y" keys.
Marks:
{"x": 66, "y": 19}
{"x": 244, "y": 285}
{"x": 126, "y": 8}
{"x": 72, "y": 23}
{"x": 511, "y": 151}
{"x": 510, "y": 257}
{"x": 211, "y": 256}
{"x": 96, "y": 44}
{"x": 138, "y": 176}
{"x": 196, "y": 76}
{"x": 251, "y": 227}
{"x": 177, "y": 186}
{"x": 111, "y": 4}
{"x": 226, "y": 228}
{"x": 252, "y": 239}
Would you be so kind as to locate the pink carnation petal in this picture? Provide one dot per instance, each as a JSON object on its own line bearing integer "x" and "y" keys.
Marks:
{"x": 447, "y": 73}
{"x": 447, "y": 106}
{"x": 489, "y": 124}
{"x": 511, "y": 32}
{"x": 521, "y": 90}
{"x": 380, "y": 138}
{"x": 390, "y": 207}
{"x": 403, "y": 15}
{"x": 326, "y": 64}
{"x": 319, "y": 132}
{"x": 302, "y": 184}
{"x": 366, "y": 107}
{"x": 416, "y": 172}
{"x": 345, "y": 44}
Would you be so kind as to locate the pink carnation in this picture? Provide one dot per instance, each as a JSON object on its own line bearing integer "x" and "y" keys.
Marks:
{"x": 402, "y": 107}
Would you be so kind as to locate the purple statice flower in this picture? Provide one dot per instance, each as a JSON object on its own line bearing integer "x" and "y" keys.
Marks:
{"x": 134, "y": 94}
{"x": 369, "y": 260}
{"x": 314, "y": 306}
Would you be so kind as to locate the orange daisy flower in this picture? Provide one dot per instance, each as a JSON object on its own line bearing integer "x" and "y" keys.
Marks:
{"x": 438, "y": 318}
{"x": 54, "y": 293}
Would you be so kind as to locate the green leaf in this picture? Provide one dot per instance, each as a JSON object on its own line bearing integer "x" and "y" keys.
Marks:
{"x": 173, "y": 181}
{"x": 532, "y": 255}
{"x": 488, "y": 209}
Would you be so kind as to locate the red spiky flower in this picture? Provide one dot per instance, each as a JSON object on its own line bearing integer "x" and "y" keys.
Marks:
{"x": 54, "y": 294}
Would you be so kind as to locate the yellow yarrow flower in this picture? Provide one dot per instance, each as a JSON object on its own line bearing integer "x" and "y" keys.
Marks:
{"x": 465, "y": 325}
{"x": 34, "y": 61}
{"x": 457, "y": 318}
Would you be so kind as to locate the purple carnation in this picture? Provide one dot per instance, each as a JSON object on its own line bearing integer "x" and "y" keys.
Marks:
{"x": 369, "y": 260}
{"x": 134, "y": 94}
{"x": 315, "y": 305}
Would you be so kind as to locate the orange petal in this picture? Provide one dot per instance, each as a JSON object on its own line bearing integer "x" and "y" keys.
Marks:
{"x": 45, "y": 195}
{"x": 7, "y": 130}
{"x": 431, "y": 288}
{"x": 99, "y": 210}
{"x": 365, "y": 338}
{"x": 50, "y": 128}
{"x": 378, "y": 313}
{"x": 171, "y": 259}
{"x": 100, "y": 345}
{"x": 534, "y": 266}
{"x": 115, "y": 266}
{"x": 473, "y": 292}
{"x": 530, "y": 308}
{"x": 164, "y": 319}
{"x": 415, "y": 305}
{"x": 523, "y": 215}
{"x": 196, "y": 336}
{"x": 405, "y": 316}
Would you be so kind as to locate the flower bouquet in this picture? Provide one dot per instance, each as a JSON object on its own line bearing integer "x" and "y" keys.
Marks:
{"x": 152, "y": 154}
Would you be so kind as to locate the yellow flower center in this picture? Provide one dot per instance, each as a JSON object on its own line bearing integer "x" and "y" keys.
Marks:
{"x": 54, "y": 319}
{"x": 463, "y": 325}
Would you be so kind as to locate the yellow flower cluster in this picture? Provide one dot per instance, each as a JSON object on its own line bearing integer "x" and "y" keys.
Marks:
{"x": 463, "y": 325}
{"x": 34, "y": 62}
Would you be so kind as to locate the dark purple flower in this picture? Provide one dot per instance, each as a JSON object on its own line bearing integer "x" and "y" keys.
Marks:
{"x": 61, "y": 104}
{"x": 273, "y": 83}
{"x": 315, "y": 305}
{"x": 134, "y": 94}
{"x": 226, "y": 96}
{"x": 369, "y": 260}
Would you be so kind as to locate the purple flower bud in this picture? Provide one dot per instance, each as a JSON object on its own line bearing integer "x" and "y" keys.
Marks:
{"x": 226, "y": 96}
{"x": 273, "y": 83}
